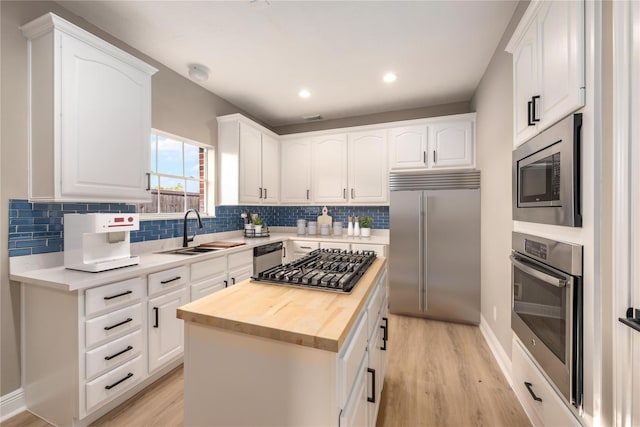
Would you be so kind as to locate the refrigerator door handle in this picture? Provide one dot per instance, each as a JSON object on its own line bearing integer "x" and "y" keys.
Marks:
{"x": 422, "y": 249}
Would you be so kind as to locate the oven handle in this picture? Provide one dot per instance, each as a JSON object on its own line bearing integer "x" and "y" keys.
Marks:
{"x": 555, "y": 281}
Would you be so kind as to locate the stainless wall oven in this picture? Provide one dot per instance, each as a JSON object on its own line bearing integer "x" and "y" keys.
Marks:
{"x": 547, "y": 308}
{"x": 546, "y": 176}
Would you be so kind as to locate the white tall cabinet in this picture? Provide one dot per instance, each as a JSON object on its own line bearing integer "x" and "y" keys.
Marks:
{"x": 248, "y": 162}
{"x": 90, "y": 115}
{"x": 548, "y": 66}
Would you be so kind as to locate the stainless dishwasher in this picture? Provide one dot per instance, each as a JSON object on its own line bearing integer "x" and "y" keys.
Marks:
{"x": 266, "y": 256}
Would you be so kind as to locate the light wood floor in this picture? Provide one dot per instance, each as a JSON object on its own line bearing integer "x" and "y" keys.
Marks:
{"x": 438, "y": 374}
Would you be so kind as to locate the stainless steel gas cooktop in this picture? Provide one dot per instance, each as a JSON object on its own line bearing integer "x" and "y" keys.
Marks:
{"x": 333, "y": 270}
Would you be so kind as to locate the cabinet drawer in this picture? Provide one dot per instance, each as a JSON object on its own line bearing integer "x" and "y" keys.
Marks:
{"x": 551, "y": 410}
{"x": 167, "y": 279}
{"x": 115, "y": 382}
{"x": 112, "y": 296}
{"x": 113, "y": 324}
{"x": 209, "y": 286}
{"x": 350, "y": 358}
{"x": 240, "y": 259}
{"x": 103, "y": 358}
{"x": 300, "y": 246}
{"x": 203, "y": 269}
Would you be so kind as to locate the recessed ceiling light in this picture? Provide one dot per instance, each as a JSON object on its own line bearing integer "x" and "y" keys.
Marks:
{"x": 304, "y": 93}
{"x": 389, "y": 77}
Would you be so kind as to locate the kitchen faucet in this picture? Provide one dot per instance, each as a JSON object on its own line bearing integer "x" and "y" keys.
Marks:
{"x": 185, "y": 238}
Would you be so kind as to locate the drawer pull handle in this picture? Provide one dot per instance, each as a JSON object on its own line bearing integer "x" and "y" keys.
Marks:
{"x": 118, "y": 353}
{"x": 305, "y": 247}
{"x": 384, "y": 338}
{"x": 226, "y": 283}
{"x": 373, "y": 385}
{"x": 109, "y": 387}
{"x": 164, "y": 282}
{"x": 233, "y": 280}
{"x": 108, "y": 328}
{"x": 119, "y": 295}
{"x": 155, "y": 311}
{"x": 529, "y": 387}
{"x": 386, "y": 328}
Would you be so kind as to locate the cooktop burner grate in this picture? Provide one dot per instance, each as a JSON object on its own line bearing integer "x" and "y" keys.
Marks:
{"x": 334, "y": 270}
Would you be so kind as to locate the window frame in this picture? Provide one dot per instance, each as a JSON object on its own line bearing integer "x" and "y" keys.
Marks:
{"x": 209, "y": 173}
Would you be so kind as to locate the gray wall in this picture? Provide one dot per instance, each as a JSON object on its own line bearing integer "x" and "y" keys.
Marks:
{"x": 493, "y": 103}
{"x": 370, "y": 119}
{"x": 179, "y": 106}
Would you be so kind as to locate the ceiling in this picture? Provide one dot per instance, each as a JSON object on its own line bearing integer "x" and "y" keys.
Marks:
{"x": 262, "y": 53}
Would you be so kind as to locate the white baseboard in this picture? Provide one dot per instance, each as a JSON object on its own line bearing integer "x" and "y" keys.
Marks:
{"x": 12, "y": 404}
{"x": 504, "y": 361}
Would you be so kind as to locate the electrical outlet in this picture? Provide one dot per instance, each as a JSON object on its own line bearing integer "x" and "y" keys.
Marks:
{"x": 495, "y": 313}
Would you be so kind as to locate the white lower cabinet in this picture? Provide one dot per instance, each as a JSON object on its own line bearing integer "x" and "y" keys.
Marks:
{"x": 299, "y": 248}
{"x": 166, "y": 331}
{"x": 356, "y": 412}
{"x": 208, "y": 277}
{"x": 367, "y": 351}
{"x": 541, "y": 402}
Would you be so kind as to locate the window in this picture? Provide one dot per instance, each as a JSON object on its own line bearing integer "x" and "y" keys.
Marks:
{"x": 178, "y": 175}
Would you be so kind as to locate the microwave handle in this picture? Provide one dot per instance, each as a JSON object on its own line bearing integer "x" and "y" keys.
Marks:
{"x": 555, "y": 281}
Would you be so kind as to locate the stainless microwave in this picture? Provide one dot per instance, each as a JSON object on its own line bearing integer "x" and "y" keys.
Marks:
{"x": 546, "y": 176}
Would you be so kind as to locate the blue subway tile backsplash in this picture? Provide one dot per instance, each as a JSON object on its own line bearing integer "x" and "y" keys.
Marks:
{"x": 36, "y": 228}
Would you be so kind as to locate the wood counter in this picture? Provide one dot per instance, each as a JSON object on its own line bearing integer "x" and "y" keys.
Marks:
{"x": 307, "y": 317}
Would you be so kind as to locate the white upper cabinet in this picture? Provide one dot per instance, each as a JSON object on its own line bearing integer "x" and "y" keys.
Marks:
{"x": 408, "y": 147}
{"x": 548, "y": 66}
{"x": 368, "y": 167}
{"x": 270, "y": 169}
{"x": 451, "y": 144}
{"x": 248, "y": 162}
{"x": 525, "y": 87}
{"x": 250, "y": 165}
{"x": 437, "y": 143}
{"x": 296, "y": 170}
{"x": 90, "y": 115}
{"x": 329, "y": 168}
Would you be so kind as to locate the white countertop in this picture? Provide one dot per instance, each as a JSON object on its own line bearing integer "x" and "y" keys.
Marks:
{"x": 61, "y": 278}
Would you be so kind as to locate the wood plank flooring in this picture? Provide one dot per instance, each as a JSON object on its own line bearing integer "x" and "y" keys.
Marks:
{"x": 438, "y": 374}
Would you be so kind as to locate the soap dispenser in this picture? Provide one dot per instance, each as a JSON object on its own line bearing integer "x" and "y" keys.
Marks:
{"x": 350, "y": 228}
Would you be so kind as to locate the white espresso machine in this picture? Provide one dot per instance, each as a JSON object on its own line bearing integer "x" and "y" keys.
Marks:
{"x": 99, "y": 241}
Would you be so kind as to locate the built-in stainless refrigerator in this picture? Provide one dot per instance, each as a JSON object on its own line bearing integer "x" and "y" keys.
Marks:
{"x": 434, "y": 256}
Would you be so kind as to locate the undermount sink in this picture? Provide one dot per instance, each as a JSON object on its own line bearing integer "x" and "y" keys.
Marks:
{"x": 196, "y": 250}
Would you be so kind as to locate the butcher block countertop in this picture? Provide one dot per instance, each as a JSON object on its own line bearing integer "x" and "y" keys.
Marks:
{"x": 312, "y": 318}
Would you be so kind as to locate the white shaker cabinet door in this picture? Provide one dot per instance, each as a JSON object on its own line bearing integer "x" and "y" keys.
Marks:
{"x": 329, "y": 168}
{"x": 525, "y": 84}
{"x": 561, "y": 35}
{"x": 270, "y": 169}
{"x": 408, "y": 147}
{"x": 296, "y": 171}
{"x": 105, "y": 124}
{"x": 451, "y": 144}
{"x": 368, "y": 167}
{"x": 250, "y": 164}
{"x": 166, "y": 331}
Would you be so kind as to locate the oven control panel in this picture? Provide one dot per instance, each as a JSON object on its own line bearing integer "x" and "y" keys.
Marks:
{"x": 536, "y": 249}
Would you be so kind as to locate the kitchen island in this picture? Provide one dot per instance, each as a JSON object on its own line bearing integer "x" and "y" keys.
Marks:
{"x": 264, "y": 354}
